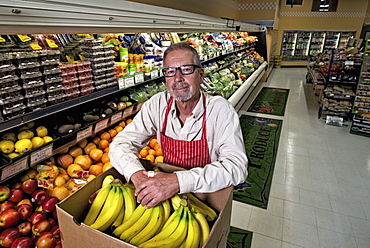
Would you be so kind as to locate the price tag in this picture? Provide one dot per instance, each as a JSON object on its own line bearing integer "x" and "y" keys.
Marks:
{"x": 121, "y": 83}
{"x": 128, "y": 111}
{"x": 14, "y": 168}
{"x": 223, "y": 52}
{"x": 41, "y": 154}
{"x": 83, "y": 134}
{"x": 129, "y": 81}
{"x": 349, "y": 62}
{"x": 154, "y": 73}
{"x": 116, "y": 117}
{"x": 101, "y": 125}
{"x": 139, "y": 77}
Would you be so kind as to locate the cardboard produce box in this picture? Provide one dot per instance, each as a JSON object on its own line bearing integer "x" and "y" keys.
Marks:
{"x": 73, "y": 210}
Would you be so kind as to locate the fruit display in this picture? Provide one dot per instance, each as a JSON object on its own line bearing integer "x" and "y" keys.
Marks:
{"x": 181, "y": 221}
{"x": 24, "y": 139}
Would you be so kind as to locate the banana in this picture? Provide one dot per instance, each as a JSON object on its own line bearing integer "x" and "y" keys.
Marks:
{"x": 107, "y": 180}
{"x": 152, "y": 227}
{"x": 138, "y": 212}
{"x": 130, "y": 201}
{"x": 166, "y": 209}
{"x": 97, "y": 205}
{"x": 201, "y": 207}
{"x": 175, "y": 201}
{"x": 110, "y": 210}
{"x": 204, "y": 227}
{"x": 119, "y": 220}
{"x": 175, "y": 239}
{"x": 130, "y": 232}
{"x": 193, "y": 237}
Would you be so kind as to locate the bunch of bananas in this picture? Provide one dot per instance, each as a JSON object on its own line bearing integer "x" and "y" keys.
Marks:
{"x": 181, "y": 221}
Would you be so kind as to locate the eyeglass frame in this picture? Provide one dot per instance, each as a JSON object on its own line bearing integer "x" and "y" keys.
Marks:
{"x": 180, "y": 69}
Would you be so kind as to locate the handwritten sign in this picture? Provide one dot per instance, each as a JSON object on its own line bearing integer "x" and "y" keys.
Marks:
{"x": 129, "y": 81}
{"x": 42, "y": 154}
{"x": 154, "y": 73}
{"x": 14, "y": 168}
{"x": 139, "y": 77}
{"x": 116, "y": 117}
{"x": 121, "y": 83}
{"x": 83, "y": 134}
{"x": 101, "y": 125}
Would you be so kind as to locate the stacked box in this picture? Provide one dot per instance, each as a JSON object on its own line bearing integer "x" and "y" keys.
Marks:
{"x": 69, "y": 80}
{"x": 84, "y": 76}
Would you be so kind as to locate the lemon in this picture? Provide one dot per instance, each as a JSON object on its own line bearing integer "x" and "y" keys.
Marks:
{"x": 9, "y": 136}
{"x": 47, "y": 139}
{"x": 23, "y": 145}
{"x": 6, "y": 146}
{"x": 22, "y": 128}
{"x": 37, "y": 141}
{"x": 13, "y": 155}
{"x": 30, "y": 124}
{"x": 25, "y": 134}
{"x": 41, "y": 131}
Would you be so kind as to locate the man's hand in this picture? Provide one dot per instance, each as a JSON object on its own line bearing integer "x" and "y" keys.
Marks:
{"x": 150, "y": 191}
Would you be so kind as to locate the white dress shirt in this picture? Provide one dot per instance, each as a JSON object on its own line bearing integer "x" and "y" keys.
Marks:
{"x": 225, "y": 142}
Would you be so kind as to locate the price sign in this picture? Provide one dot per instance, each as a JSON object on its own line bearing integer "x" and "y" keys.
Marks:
{"x": 14, "y": 168}
{"x": 116, "y": 117}
{"x": 154, "y": 73}
{"x": 83, "y": 134}
{"x": 129, "y": 81}
{"x": 223, "y": 52}
{"x": 139, "y": 77}
{"x": 121, "y": 83}
{"x": 101, "y": 125}
{"x": 349, "y": 62}
{"x": 41, "y": 154}
{"x": 128, "y": 111}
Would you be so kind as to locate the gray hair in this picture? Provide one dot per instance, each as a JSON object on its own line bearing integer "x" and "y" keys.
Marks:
{"x": 182, "y": 46}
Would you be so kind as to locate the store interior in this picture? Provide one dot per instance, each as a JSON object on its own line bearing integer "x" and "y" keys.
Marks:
{"x": 75, "y": 73}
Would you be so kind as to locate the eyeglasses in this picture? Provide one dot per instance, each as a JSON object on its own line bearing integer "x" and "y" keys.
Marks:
{"x": 184, "y": 69}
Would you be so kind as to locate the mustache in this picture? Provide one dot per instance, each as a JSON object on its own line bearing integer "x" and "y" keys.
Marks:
{"x": 180, "y": 85}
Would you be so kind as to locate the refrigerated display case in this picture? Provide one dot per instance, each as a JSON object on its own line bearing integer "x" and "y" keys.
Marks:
{"x": 288, "y": 45}
{"x": 317, "y": 43}
{"x": 302, "y": 45}
{"x": 331, "y": 40}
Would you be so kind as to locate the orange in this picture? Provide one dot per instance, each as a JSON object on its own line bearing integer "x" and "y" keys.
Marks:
{"x": 90, "y": 177}
{"x": 151, "y": 151}
{"x": 128, "y": 121}
{"x": 159, "y": 159}
{"x": 153, "y": 142}
{"x": 84, "y": 161}
{"x": 159, "y": 152}
{"x": 95, "y": 169}
{"x": 71, "y": 168}
{"x": 106, "y": 149}
{"x": 105, "y": 136}
{"x": 75, "y": 151}
{"x": 106, "y": 166}
{"x": 143, "y": 153}
{"x": 60, "y": 192}
{"x": 150, "y": 158}
{"x": 122, "y": 124}
{"x": 157, "y": 146}
{"x": 96, "y": 140}
{"x": 105, "y": 158}
{"x": 118, "y": 129}
{"x": 89, "y": 147}
{"x": 96, "y": 154}
{"x": 146, "y": 147}
{"x": 112, "y": 132}
{"x": 82, "y": 143}
{"x": 103, "y": 144}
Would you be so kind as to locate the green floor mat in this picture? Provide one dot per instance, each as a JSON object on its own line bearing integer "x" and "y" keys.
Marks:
{"x": 239, "y": 238}
{"x": 270, "y": 101}
{"x": 261, "y": 139}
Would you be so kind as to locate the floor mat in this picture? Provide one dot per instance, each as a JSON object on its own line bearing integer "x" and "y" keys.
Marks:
{"x": 270, "y": 101}
{"x": 261, "y": 139}
{"x": 239, "y": 238}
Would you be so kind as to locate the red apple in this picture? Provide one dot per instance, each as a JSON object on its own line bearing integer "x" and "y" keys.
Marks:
{"x": 16, "y": 195}
{"x": 9, "y": 218}
{"x": 38, "y": 196}
{"x": 24, "y": 211}
{"x": 41, "y": 227}
{"x": 46, "y": 240}
{"x": 17, "y": 185}
{"x": 56, "y": 231}
{"x": 25, "y": 228}
{"x": 52, "y": 221}
{"x": 55, "y": 214}
{"x": 37, "y": 216}
{"x": 25, "y": 201}
{"x": 6, "y": 205}
{"x": 29, "y": 186}
{"x": 22, "y": 242}
{"x": 4, "y": 193}
{"x": 8, "y": 236}
{"x": 59, "y": 243}
{"x": 49, "y": 204}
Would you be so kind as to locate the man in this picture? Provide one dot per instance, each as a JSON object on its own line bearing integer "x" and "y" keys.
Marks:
{"x": 196, "y": 131}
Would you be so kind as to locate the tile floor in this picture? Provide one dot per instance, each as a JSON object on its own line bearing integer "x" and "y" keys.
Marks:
{"x": 320, "y": 195}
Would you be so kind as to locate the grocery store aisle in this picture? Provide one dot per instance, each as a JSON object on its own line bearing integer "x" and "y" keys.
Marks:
{"x": 320, "y": 195}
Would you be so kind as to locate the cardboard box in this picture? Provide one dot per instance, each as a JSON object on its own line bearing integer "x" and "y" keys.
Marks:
{"x": 73, "y": 209}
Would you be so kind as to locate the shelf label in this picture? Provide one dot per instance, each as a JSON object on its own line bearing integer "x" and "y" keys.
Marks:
{"x": 139, "y": 77}
{"x": 14, "y": 168}
{"x": 101, "y": 125}
{"x": 129, "y": 81}
{"x": 83, "y": 134}
{"x": 154, "y": 73}
{"x": 116, "y": 117}
{"x": 41, "y": 154}
{"x": 128, "y": 111}
{"x": 121, "y": 83}
{"x": 349, "y": 62}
